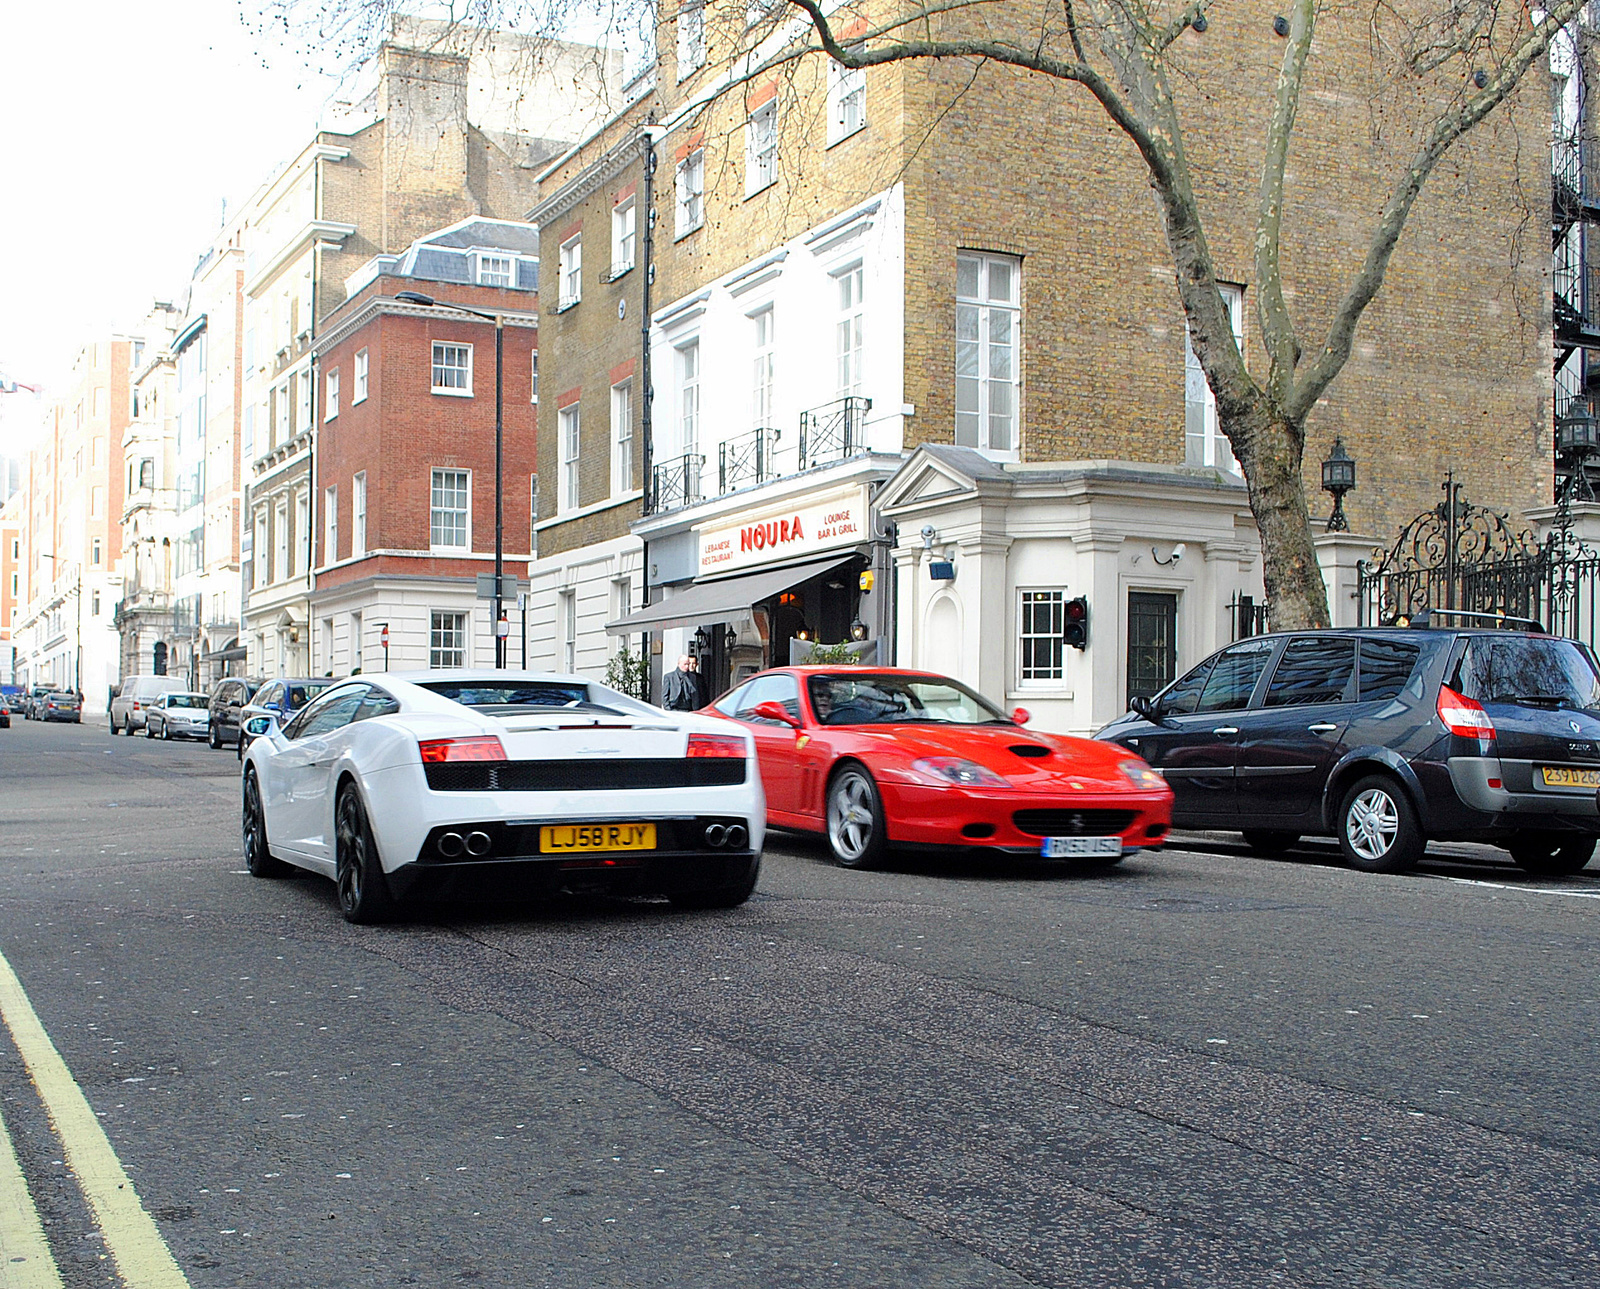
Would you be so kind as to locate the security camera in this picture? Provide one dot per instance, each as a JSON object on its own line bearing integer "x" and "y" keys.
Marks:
{"x": 929, "y": 532}
{"x": 1177, "y": 552}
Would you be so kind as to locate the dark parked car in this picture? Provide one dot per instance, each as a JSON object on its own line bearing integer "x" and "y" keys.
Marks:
{"x": 1385, "y": 738}
{"x": 228, "y": 698}
{"x": 5, "y": 713}
{"x": 33, "y": 701}
{"x": 280, "y": 699}
{"x": 61, "y": 705}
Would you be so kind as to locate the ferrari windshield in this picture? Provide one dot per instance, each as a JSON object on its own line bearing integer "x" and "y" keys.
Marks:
{"x": 499, "y": 697}
{"x": 874, "y": 698}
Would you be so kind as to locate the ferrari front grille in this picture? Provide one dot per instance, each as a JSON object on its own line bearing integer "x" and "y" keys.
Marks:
{"x": 583, "y": 775}
{"x": 1072, "y": 823}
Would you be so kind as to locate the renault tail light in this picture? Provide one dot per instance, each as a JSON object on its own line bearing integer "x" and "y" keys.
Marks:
{"x": 1464, "y": 717}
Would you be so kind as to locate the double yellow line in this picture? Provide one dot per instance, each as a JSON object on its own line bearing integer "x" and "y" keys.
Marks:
{"x": 142, "y": 1258}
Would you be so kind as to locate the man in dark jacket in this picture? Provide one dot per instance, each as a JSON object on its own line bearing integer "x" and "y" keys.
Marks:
{"x": 681, "y": 689}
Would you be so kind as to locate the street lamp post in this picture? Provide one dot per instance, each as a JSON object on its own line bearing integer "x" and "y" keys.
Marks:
{"x": 427, "y": 301}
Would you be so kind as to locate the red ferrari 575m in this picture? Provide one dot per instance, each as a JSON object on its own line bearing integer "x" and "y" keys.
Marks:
{"x": 880, "y": 757}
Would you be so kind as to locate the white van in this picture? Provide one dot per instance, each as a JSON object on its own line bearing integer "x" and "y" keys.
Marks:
{"x": 137, "y": 694}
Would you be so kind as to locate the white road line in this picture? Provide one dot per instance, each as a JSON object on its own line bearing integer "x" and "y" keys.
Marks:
{"x": 1524, "y": 890}
{"x": 131, "y": 1237}
{"x": 25, "y": 1261}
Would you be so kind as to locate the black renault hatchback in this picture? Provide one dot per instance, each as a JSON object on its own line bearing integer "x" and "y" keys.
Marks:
{"x": 1385, "y": 738}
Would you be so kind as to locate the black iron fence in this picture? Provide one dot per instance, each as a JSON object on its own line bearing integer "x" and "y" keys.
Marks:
{"x": 834, "y": 431}
{"x": 747, "y": 460}
{"x": 1461, "y": 556}
{"x": 675, "y": 483}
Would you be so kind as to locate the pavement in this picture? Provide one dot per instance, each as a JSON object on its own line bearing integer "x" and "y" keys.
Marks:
{"x": 1201, "y": 1068}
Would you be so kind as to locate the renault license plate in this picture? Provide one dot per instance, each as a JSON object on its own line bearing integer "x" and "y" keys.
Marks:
{"x": 561, "y": 839}
{"x": 1063, "y": 847}
{"x": 1563, "y": 776}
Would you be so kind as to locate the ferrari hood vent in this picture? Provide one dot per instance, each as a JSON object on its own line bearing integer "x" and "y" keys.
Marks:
{"x": 1034, "y": 750}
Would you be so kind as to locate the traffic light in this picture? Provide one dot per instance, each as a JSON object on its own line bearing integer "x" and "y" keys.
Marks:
{"x": 1076, "y": 632}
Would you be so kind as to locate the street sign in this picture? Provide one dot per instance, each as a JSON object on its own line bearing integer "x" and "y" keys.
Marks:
{"x": 508, "y": 586}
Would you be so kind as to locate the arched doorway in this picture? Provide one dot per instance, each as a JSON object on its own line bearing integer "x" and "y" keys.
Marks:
{"x": 160, "y": 658}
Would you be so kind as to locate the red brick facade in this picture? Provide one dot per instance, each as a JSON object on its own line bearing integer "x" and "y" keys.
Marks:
{"x": 403, "y": 430}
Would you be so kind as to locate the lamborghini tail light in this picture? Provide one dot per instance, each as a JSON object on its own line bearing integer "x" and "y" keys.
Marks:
{"x": 715, "y": 745}
{"x": 482, "y": 747}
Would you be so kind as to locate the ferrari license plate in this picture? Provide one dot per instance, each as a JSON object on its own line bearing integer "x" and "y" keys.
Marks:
{"x": 1062, "y": 847}
{"x": 1561, "y": 776}
{"x": 557, "y": 839}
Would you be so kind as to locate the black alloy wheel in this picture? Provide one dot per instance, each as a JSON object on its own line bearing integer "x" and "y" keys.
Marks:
{"x": 729, "y": 896}
{"x": 258, "y": 856}
{"x": 364, "y": 896}
{"x": 856, "y": 833}
{"x": 1269, "y": 841}
{"x": 214, "y": 739}
{"x": 1378, "y": 827}
{"x": 1551, "y": 855}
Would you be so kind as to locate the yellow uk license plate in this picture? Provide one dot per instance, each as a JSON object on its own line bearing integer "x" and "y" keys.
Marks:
{"x": 1561, "y": 776}
{"x": 558, "y": 839}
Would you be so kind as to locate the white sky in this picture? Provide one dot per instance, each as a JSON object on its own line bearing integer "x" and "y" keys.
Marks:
{"x": 123, "y": 127}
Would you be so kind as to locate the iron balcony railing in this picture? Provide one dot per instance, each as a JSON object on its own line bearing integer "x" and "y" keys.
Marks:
{"x": 746, "y": 461}
{"x": 675, "y": 483}
{"x": 834, "y": 431}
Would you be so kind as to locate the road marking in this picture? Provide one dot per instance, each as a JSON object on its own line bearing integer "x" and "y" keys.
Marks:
{"x": 1502, "y": 886}
{"x": 25, "y": 1261}
{"x": 131, "y": 1237}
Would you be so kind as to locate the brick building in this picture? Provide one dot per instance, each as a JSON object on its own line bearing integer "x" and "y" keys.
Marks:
{"x": 850, "y": 266}
{"x": 145, "y": 615}
{"x": 64, "y": 634}
{"x": 434, "y": 144}
{"x": 405, "y": 467}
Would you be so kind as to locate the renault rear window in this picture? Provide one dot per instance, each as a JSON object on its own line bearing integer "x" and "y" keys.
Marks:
{"x": 1530, "y": 671}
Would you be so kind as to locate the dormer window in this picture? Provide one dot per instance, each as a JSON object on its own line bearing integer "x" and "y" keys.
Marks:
{"x": 496, "y": 270}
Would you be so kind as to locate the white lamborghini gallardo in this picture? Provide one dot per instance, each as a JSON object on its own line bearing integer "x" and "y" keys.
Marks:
{"x": 393, "y": 783}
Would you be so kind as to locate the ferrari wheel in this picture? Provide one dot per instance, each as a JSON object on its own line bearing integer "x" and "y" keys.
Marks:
{"x": 258, "y": 856}
{"x": 363, "y": 889}
{"x": 855, "y": 819}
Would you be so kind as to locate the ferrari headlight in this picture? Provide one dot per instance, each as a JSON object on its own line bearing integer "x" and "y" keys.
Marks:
{"x": 1141, "y": 775}
{"x": 960, "y": 772}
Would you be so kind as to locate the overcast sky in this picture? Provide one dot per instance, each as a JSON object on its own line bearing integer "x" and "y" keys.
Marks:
{"x": 123, "y": 128}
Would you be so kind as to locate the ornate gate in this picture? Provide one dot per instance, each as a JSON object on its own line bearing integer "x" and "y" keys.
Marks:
{"x": 1463, "y": 556}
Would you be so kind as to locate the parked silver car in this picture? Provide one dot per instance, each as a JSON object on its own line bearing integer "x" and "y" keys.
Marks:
{"x": 178, "y": 715}
{"x": 136, "y": 696}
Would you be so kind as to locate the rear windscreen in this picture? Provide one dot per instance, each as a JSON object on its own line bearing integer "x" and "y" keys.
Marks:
{"x": 1527, "y": 670}
{"x": 541, "y": 694}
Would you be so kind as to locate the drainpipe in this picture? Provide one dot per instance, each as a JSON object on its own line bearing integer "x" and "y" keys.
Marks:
{"x": 646, "y": 388}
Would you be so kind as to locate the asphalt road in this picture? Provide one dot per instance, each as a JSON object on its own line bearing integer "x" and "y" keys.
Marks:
{"x": 1200, "y": 1069}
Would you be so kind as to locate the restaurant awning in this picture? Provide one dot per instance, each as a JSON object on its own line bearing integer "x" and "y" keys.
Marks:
{"x": 726, "y": 600}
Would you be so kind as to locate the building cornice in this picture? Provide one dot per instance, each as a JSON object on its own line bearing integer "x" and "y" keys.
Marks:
{"x": 378, "y": 305}
{"x": 591, "y": 177}
{"x": 319, "y": 230}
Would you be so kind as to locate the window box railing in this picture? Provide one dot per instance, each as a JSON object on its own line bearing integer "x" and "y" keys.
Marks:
{"x": 675, "y": 483}
{"x": 746, "y": 461}
{"x": 834, "y": 431}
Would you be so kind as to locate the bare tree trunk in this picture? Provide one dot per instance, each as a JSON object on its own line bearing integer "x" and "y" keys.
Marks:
{"x": 1270, "y": 448}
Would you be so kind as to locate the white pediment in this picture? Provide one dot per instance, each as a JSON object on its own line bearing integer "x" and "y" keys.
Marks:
{"x": 924, "y": 479}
